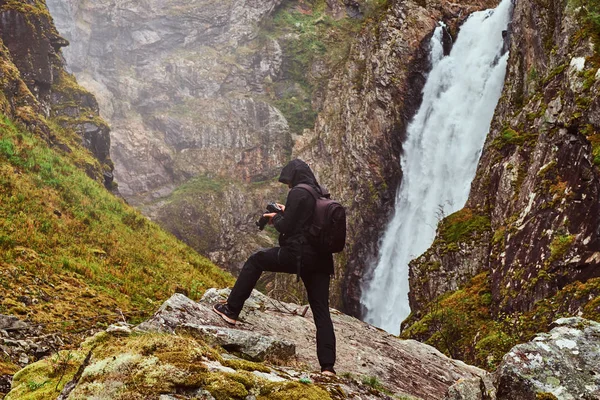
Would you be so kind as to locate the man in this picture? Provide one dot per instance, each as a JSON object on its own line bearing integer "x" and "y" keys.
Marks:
{"x": 294, "y": 255}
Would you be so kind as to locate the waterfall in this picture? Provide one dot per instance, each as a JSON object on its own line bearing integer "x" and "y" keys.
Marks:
{"x": 440, "y": 155}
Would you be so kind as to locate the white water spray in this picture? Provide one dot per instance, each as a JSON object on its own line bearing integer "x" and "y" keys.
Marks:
{"x": 444, "y": 142}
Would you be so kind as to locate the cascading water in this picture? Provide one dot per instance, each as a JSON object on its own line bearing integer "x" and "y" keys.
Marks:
{"x": 441, "y": 153}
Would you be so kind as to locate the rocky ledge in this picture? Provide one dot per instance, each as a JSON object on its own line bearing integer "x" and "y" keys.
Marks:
{"x": 186, "y": 351}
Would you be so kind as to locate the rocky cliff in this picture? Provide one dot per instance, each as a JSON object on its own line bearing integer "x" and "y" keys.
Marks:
{"x": 39, "y": 92}
{"x": 357, "y": 139}
{"x": 525, "y": 248}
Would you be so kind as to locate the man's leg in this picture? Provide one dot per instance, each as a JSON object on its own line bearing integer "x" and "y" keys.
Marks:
{"x": 317, "y": 287}
{"x": 276, "y": 259}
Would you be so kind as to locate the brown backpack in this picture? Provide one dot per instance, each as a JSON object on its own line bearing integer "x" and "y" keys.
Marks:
{"x": 327, "y": 232}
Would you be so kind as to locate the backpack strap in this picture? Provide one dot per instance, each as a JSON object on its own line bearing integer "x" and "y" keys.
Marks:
{"x": 310, "y": 189}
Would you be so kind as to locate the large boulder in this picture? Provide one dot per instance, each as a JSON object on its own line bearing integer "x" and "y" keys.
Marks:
{"x": 283, "y": 332}
{"x": 562, "y": 364}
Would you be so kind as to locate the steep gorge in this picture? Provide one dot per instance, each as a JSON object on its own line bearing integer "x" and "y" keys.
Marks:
{"x": 178, "y": 152}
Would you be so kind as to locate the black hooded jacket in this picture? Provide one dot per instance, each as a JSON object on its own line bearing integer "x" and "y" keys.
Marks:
{"x": 296, "y": 219}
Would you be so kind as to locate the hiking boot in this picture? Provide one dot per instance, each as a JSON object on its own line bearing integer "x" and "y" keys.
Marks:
{"x": 329, "y": 371}
{"x": 225, "y": 312}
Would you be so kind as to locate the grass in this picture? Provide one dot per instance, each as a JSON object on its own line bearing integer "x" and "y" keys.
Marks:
{"x": 560, "y": 246}
{"x": 466, "y": 324}
{"x": 84, "y": 255}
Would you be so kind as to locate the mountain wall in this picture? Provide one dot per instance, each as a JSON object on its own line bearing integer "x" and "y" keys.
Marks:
{"x": 526, "y": 247}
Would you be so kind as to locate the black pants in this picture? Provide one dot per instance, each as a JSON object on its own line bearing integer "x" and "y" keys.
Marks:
{"x": 281, "y": 259}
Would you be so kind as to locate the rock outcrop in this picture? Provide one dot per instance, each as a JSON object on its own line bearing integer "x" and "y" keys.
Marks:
{"x": 529, "y": 249}
{"x": 561, "y": 364}
{"x": 356, "y": 144}
{"x": 37, "y": 90}
{"x": 175, "y": 353}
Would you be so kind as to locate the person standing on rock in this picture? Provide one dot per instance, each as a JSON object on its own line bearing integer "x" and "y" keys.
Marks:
{"x": 295, "y": 255}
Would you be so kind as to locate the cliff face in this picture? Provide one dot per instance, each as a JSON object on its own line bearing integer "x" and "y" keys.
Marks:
{"x": 178, "y": 96}
{"x": 195, "y": 93}
{"x": 530, "y": 228}
{"x": 49, "y": 95}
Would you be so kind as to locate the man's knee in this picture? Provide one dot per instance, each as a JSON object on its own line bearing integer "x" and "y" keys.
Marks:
{"x": 254, "y": 262}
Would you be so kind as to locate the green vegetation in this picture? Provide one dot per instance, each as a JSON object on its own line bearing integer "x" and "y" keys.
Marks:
{"x": 81, "y": 252}
{"x": 510, "y": 137}
{"x": 466, "y": 325}
{"x": 145, "y": 364}
{"x": 594, "y": 138}
{"x": 453, "y": 321}
{"x": 559, "y": 247}
{"x": 590, "y": 12}
{"x": 315, "y": 45}
{"x": 373, "y": 382}
{"x": 555, "y": 72}
{"x": 462, "y": 226}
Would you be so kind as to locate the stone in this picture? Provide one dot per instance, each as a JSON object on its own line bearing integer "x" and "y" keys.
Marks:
{"x": 120, "y": 329}
{"x": 363, "y": 350}
{"x": 11, "y": 323}
{"x": 254, "y": 346}
{"x": 481, "y": 388}
{"x": 563, "y": 363}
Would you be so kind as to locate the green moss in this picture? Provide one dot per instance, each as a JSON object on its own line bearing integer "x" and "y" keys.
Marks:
{"x": 559, "y": 247}
{"x": 554, "y": 73}
{"x": 510, "y": 137}
{"x": 461, "y": 226}
{"x": 147, "y": 364}
{"x": 594, "y": 139}
{"x": 245, "y": 365}
{"x": 589, "y": 12}
{"x": 45, "y": 379}
{"x": 308, "y": 36}
{"x": 292, "y": 391}
{"x": 545, "y": 396}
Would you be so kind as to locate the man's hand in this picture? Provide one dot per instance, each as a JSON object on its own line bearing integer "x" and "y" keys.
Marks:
{"x": 281, "y": 206}
{"x": 270, "y": 216}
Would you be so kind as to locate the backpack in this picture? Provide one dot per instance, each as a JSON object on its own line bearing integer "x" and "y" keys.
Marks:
{"x": 327, "y": 231}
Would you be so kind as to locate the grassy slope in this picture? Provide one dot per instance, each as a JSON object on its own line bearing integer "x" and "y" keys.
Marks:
{"x": 74, "y": 251}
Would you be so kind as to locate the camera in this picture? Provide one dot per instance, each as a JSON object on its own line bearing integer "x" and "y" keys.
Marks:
{"x": 263, "y": 221}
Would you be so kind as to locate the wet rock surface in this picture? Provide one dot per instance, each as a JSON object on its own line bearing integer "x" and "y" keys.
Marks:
{"x": 563, "y": 363}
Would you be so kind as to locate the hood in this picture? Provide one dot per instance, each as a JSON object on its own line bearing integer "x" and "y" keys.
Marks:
{"x": 296, "y": 172}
